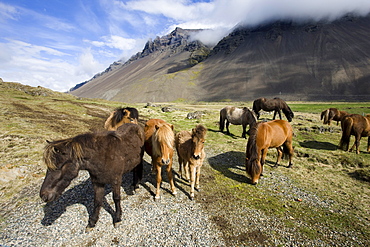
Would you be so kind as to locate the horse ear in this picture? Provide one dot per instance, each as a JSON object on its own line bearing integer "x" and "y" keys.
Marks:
{"x": 156, "y": 126}
{"x": 171, "y": 125}
{"x": 48, "y": 142}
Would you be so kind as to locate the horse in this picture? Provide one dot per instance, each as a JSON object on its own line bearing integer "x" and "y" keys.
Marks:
{"x": 191, "y": 154}
{"x": 265, "y": 135}
{"x": 105, "y": 155}
{"x": 332, "y": 114}
{"x": 236, "y": 116}
{"x": 159, "y": 145}
{"x": 120, "y": 116}
{"x": 358, "y": 126}
{"x": 275, "y": 104}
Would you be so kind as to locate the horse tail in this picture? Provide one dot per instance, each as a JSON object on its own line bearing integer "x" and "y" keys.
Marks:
{"x": 256, "y": 108}
{"x": 325, "y": 116}
{"x": 222, "y": 119}
{"x": 346, "y": 125}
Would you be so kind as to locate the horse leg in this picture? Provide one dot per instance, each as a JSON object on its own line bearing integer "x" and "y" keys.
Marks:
{"x": 98, "y": 201}
{"x": 170, "y": 177}
{"x": 227, "y": 127}
{"x": 197, "y": 178}
{"x": 356, "y": 144}
{"x": 263, "y": 158}
{"x": 180, "y": 167}
{"x": 274, "y": 115}
{"x": 138, "y": 175}
{"x": 186, "y": 168}
{"x": 158, "y": 170}
{"x": 117, "y": 202}
{"x": 280, "y": 154}
{"x": 193, "y": 171}
{"x": 368, "y": 144}
{"x": 244, "y": 134}
{"x": 279, "y": 112}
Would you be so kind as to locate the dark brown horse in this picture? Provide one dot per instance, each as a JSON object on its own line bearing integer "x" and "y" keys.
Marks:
{"x": 332, "y": 114}
{"x": 106, "y": 156}
{"x": 358, "y": 126}
{"x": 236, "y": 116}
{"x": 159, "y": 144}
{"x": 190, "y": 150}
{"x": 265, "y": 135}
{"x": 275, "y": 104}
{"x": 120, "y": 116}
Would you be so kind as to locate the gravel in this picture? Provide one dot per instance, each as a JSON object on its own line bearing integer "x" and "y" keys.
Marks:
{"x": 170, "y": 221}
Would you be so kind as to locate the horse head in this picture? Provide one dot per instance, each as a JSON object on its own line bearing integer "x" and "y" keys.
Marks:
{"x": 61, "y": 159}
{"x": 198, "y": 139}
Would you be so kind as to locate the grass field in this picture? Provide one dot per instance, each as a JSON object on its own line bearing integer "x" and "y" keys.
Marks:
{"x": 324, "y": 196}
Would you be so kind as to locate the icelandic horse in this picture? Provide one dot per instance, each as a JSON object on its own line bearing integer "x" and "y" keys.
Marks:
{"x": 190, "y": 150}
{"x": 358, "y": 126}
{"x": 159, "y": 145}
{"x": 264, "y": 135}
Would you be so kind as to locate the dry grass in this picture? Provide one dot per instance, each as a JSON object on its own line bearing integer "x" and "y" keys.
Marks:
{"x": 333, "y": 184}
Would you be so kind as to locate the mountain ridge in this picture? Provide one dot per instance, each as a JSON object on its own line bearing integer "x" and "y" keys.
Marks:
{"x": 295, "y": 61}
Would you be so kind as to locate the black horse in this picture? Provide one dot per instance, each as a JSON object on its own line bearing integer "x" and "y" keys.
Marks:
{"x": 275, "y": 104}
{"x": 106, "y": 156}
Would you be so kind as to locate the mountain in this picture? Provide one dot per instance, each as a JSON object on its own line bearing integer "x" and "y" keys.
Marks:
{"x": 294, "y": 61}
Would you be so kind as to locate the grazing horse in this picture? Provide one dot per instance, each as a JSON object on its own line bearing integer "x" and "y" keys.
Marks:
{"x": 332, "y": 114}
{"x": 237, "y": 116}
{"x": 358, "y": 126}
{"x": 121, "y": 116}
{"x": 159, "y": 144}
{"x": 190, "y": 150}
{"x": 106, "y": 156}
{"x": 275, "y": 104}
{"x": 263, "y": 136}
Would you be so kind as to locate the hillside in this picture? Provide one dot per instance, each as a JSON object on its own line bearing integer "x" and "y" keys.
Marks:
{"x": 321, "y": 201}
{"x": 310, "y": 61}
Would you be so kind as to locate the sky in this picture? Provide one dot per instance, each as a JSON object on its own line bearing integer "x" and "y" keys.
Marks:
{"x": 59, "y": 43}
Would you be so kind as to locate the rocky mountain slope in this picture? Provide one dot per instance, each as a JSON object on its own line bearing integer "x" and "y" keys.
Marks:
{"x": 305, "y": 61}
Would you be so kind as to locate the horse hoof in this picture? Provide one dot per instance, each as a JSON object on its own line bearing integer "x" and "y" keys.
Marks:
{"x": 89, "y": 229}
{"x": 117, "y": 224}
{"x": 174, "y": 193}
{"x": 157, "y": 198}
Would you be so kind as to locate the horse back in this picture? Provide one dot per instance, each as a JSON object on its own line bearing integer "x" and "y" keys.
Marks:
{"x": 183, "y": 143}
{"x": 277, "y": 132}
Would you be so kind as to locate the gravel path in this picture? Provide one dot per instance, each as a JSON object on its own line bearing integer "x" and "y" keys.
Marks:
{"x": 171, "y": 221}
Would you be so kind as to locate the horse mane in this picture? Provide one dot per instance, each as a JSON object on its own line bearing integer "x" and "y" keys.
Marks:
{"x": 252, "y": 152}
{"x": 163, "y": 134}
{"x": 199, "y": 131}
{"x": 75, "y": 145}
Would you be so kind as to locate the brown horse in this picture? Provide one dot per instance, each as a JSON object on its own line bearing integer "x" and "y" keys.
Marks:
{"x": 120, "y": 116}
{"x": 190, "y": 150}
{"x": 159, "y": 144}
{"x": 237, "y": 116}
{"x": 332, "y": 114}
{"x": 265, "y": 135}
{"x": 358, "y": 126}
{"x": 275, "y": 104}
{"x": 106, "y": 156}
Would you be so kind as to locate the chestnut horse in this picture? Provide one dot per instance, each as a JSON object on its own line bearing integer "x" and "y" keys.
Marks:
{"x": 275, "y": 104}
{"x": 159, "y": 144}
{"x": 120, "y": 116}
{"x": 106, "y": 156}
{"x": 332, "y": 114}
{"x": 358, "y": 126}
{"x": 237, "y": 116}
{"x": 190, "y": 150}
{"x": 265, "y": 135}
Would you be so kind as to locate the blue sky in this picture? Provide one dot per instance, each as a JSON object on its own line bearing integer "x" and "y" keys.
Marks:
{"x": 59, "y": 43}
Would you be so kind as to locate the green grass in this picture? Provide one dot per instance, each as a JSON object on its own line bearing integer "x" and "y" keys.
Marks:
{"x": 337, "y": 182}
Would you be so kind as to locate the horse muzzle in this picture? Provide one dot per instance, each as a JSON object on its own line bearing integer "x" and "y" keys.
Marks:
{"x": 165, "y": 162}
{"x": 196, "y": 157}
{"x": 48, "y": 196}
